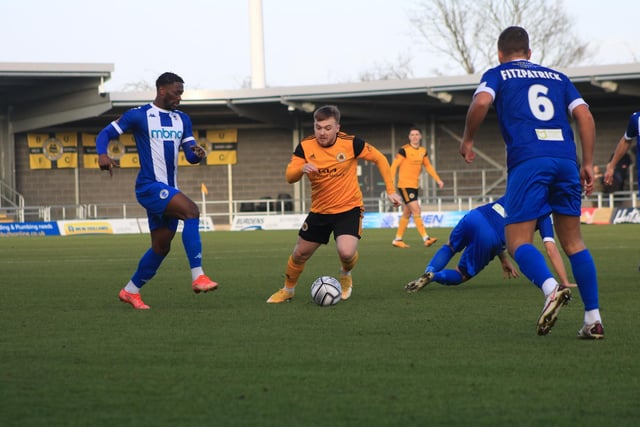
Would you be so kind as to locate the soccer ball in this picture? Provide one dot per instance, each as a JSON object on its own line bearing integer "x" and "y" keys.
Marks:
{"x": 326, "y": 291}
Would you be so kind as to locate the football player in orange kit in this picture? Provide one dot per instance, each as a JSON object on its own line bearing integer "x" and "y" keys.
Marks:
{"x": 409, "y": 161}
{"x": 329, "y": 158}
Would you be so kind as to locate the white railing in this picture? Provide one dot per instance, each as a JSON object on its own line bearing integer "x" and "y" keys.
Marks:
{"x": 218, "y": 210}
{"x": 605, "y": 200}
{"x": 464, "y": 190}
{"x": 11, "y": 200}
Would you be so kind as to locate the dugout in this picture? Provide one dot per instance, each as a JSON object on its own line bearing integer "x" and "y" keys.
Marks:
{"x": 252, "y": 133}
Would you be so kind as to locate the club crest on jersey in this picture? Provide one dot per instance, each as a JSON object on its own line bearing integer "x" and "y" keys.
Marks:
{"x": 164, "y": 193}
{"x": 341, "y": 157}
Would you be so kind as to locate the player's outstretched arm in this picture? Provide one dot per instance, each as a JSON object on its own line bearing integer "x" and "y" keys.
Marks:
{"x": 296, "y": 169}
{"x": 509, "y": 271}
{"x": 372, "y": 154}
{"x": 587, "y": 132}
{"x": 621, "y": 149}
{"x": 556, "y": 261}
{"x": 102, "y": 143}
{"x": 475, "y": 116}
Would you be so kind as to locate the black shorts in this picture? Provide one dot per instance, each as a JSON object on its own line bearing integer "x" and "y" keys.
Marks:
{"x": 408, "y": 194}
{"x": 318, "y": 227}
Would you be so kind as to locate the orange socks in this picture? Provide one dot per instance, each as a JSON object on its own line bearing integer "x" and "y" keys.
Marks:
{"x": 420, "y": 227}
{"x": 347, "y": 266}
{"x": 402, "y": 227}
{"x": 294, "y": 271}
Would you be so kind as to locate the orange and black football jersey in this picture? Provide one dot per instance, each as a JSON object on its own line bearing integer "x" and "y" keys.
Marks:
{"x": 335, "y": 188}
{"x": 409, "y": 162}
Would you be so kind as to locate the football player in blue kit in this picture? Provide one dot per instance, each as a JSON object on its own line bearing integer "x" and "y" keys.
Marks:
{"x": 543, "y": 174}
{"x": 633, "y": 131}
{"x": 480, "y": 237}
{"x": 160, "y": 130}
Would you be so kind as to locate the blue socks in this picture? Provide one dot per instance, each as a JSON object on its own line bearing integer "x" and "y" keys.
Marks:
{"x": 147, "y": 267}
{"x": 532, "y": 264}
{"x": 191, "y": 241}
{"x": 584, "y": 271}
{"x": 150, "y": 261}
{"x": 440, "y": 259}
{"x": 448, "y": 277}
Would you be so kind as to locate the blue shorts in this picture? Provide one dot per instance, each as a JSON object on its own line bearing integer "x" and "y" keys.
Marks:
{"x": 154, "y": 198}
{"x": 539, "y": 186}
{"x": 480, "y": 242}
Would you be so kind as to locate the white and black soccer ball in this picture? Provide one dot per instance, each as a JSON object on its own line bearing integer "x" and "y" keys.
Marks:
{"x": 326, "y": 291}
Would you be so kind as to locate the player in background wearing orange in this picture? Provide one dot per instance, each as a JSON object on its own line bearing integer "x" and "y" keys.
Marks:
{"x": 329, "y": 158}
{"x": 409, "y": 161}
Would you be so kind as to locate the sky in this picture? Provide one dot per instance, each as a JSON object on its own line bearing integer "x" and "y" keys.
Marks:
{"x": 306, "y": 42}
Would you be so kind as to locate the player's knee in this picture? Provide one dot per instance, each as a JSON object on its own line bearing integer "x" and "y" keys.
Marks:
{"x": 346, "y": 255}
{"x": 192, "y": 211}
{"x": 300, "y": 257}
{"x": 162, "y": 249}
{"x": 574, "y": 247}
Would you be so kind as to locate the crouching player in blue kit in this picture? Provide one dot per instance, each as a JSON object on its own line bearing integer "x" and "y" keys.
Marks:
{"x": 160, "y": 130}
{"x": 543, "y": 174}
{"x": 480, "y": 235}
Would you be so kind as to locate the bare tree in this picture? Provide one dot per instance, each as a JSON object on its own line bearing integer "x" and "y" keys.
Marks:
{"x": 139, "y": 86}
{"x": 399, "y": 70}
{"x": 466, "y": 31}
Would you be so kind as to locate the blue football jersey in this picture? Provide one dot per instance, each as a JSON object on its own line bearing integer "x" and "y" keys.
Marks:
{"x": 532, "y": 103}
{"x": 159, "y": 134}
{"x": 494, "y": 213}
{"x": 633, "y": 131}
{"x": 633, "y": 128}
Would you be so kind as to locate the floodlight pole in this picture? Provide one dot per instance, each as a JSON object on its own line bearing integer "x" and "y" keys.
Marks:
{"x": 257, "y": 44}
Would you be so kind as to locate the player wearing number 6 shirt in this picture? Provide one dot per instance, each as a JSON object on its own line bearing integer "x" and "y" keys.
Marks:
{"x": 544, "y": 177}
{"x": 160, "y": 130}
{"x": 329, "y": 158}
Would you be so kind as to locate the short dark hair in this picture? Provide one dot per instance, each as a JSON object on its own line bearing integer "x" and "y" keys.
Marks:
{"x": 325, "y": 112}
{"x": 412, "y": 128}
{"x": 513, "y": 40}
{"x": 167, "y": 79}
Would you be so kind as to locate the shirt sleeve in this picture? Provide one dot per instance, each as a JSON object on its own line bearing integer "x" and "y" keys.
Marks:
{"x": 114, "y": 129}
{"x": 188, "y": 140}
{"x": 370, "y": 153}
{"x": 394, "y": 167}
{"x": 107, "y": 134}
{"x": 633, "y": 128}
{"x": 430, "y": 169}
{"x": 294, "y": 168}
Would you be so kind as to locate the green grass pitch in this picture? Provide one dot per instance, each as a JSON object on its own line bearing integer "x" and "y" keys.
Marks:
{"x": 72, "y": 355}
